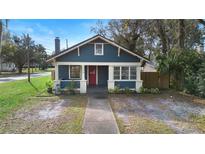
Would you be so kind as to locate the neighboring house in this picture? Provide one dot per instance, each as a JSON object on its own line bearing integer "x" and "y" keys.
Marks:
{"x": 149, "y": 67}
{"x": 97, "y": 61}
{"x": 7, "y": 67}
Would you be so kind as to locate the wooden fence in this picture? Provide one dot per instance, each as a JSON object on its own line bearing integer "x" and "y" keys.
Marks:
{"x": 155, "y": 80}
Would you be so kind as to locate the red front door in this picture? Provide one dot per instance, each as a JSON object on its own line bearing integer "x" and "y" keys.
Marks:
{"x": 92, "y": 75}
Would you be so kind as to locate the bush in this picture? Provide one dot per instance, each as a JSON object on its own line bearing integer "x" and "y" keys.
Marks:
{"x": 117, "y": 90}
{"x": 49, "y": 86}
{"x": 149, "y": 90}
{"x": 71, "y": 87}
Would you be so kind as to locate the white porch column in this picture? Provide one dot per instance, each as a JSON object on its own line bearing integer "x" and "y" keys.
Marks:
{"x": 83, "y": 85}
{"x": 138, "y": 81}
{"x": 56, "y": 72}
{"x": 111, "y": 82}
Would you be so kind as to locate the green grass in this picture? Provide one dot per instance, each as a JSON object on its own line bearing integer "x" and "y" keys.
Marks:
{"x": 15, "y": 94}
{"x": 140, "y": 125}
{"x": 199, "y": 121}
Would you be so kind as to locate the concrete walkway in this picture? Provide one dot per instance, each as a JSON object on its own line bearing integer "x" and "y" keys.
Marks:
{"x": 99, "y": 118}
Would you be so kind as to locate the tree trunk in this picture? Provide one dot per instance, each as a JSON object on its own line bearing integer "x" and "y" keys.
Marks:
{"x": 181, "y": 33}
{"x": 162, "y": 35}
{"x": 20, "y": 69}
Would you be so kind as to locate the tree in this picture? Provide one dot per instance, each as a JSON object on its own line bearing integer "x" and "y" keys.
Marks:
{"x": 40, "y": 56}
{"x": 127, "y": 32}
{"x": 16, "y": 51}
{"x": 1, "y": 36}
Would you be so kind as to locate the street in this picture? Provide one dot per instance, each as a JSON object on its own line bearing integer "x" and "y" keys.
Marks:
{"x": 21, "y": 77}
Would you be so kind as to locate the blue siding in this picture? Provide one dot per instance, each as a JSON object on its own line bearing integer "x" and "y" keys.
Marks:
{"x": 63, "y": 72}
{"x": 64, "y": 84}
{"x": 102, "y": 75}
{"x": 87, "y": 55}
{"x": 125, "y": 84}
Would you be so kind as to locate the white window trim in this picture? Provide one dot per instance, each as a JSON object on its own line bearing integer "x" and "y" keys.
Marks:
{"x": 97, "y": 54}
{"x": 128, "y": 74}
{"x": 70, "y": 75}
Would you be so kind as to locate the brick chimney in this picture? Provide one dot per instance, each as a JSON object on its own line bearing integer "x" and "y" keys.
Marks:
{"x": 57, "y": 45}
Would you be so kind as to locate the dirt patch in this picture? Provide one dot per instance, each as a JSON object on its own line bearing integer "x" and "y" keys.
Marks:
{"x": 61, "y": 115}
{"x": 172, "y": 109}
{"x": 47, "y": 110}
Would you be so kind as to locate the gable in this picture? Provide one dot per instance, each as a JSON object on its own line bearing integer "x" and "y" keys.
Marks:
{"x": 84, "y": 46}
{"x": 87, "y": 54}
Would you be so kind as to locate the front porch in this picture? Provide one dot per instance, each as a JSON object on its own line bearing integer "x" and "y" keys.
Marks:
{"x": 107, "y": 75}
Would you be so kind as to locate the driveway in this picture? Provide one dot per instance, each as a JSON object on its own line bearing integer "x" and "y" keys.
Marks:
{"x": 99, "y": 118}
{"x": 168, "y": 112}
{"x": 23, "y": 76}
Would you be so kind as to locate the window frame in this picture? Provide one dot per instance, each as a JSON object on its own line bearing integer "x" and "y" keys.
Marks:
{"x": 97, "y": 54}
{"x": 70, "y": 73}
{"x": 114, "y": 72}
{"x": 129, "y": 73}
{"x": 128, "y": 77}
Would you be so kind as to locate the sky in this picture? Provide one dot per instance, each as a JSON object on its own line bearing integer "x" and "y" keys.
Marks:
{"x": 44, "y": 31}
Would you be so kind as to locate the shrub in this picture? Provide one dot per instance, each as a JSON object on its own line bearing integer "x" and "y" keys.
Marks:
{"x": 127, "y": 91}
{"x": 116, "y": 90}
{"x": 49, "y": 86}
{"x": 71, "y": 87}
{"x": 149, "y": 90}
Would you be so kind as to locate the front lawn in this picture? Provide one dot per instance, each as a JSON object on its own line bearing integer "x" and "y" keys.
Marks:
{"x": 165, "y": 113}
{"x": 15, "y": 94}
{"x": 42, "y": 115}
{"x": 28, "y": 108}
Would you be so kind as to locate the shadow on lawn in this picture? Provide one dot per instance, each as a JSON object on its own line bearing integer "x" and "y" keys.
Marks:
{"x": 33, "y": 86}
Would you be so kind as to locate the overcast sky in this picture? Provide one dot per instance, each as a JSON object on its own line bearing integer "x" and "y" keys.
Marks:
{"x": 44, "y": 31}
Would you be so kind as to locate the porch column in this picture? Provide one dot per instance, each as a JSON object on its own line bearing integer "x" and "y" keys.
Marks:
{"x": 111, "y": 82}
{"x": 57, "y": 81}
{"x": 83, "y": 86}
{"x": 138, "y": 81}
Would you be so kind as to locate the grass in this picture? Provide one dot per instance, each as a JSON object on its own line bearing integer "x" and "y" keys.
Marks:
{"x": 14, "y": 95}
{"x": 76, "y": 111}
{"x": 199, "y": 121}
{"x": 26, "y": 119}
{"x": 140, "y": 125}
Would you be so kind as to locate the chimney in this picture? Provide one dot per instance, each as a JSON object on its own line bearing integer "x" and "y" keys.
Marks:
{"x": 57, "y": 45}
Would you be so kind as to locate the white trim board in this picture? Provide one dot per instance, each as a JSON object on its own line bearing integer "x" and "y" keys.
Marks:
{"x": 90, "y": 40}
{"x": 101, "y": 63}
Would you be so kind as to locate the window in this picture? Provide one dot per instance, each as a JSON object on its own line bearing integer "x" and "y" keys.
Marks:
{"x": 99, "y": 49}
{"x": 75, "y": 72}
{"x": 124, "y": 73}
{"x": 133, "y": 73}
{"x": 116, "y": 73}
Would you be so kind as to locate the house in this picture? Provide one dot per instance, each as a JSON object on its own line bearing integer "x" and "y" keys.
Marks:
{"x": 97, "y": 61}
{"x": 7, "y": 66}
{"x": 149, "y": 67}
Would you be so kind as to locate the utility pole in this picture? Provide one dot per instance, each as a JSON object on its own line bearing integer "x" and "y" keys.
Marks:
{"x": 28, "y": 58}
{"x": 28, "y": 52}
